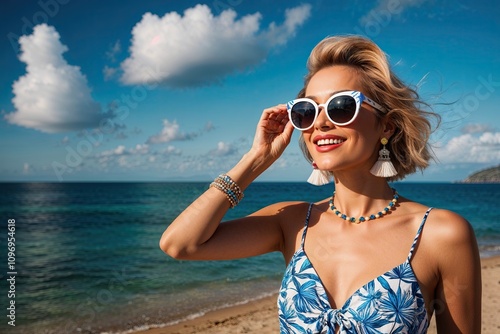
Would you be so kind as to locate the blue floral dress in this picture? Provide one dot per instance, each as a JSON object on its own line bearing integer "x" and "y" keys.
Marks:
{"x": 390, "y": 303}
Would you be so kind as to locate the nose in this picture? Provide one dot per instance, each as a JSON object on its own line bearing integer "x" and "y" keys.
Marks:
{"x": 322, "y": 122}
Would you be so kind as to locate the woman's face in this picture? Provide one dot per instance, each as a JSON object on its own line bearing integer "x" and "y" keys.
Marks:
{"x": 355, "y": 145}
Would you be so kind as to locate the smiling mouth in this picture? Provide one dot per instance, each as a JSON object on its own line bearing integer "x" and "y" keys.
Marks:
{"x": 331, "y": 141}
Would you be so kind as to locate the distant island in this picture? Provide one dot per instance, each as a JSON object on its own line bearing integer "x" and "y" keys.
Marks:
{"x": 490, "y": 175}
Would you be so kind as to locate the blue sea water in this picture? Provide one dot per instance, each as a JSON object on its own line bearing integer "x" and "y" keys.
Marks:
{"x": 87, "y": 256}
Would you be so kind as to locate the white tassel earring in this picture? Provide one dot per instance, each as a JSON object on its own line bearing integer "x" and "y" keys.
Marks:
{"x": 384, "y": 167}
{"x": 318, "y": 177}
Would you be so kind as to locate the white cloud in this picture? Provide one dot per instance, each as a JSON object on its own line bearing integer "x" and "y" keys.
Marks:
{"x": 172, "y": 150}
{"x": 125, "y": 157}
{"x": 294, "y": 18}
{"x": 387, "y": 9}
{"x": 109, "y": 72}
{"x": 477, "y": 128}
{"x": 52, "y": 96}
{"x": 199, "y": 48}
{"x": 491, "y": 139}
{"x": 170, "y": 132}
{"x": 223, "y": 149}
{"x": 114, "y": 50}
{"x": 122, "y": 162}
{"x": 140, "y": 149}
{"x": 119, "y": 150}
{"x": 468, "y": 148}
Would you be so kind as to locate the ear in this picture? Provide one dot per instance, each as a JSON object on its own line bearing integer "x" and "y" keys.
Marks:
{"x": 388, "y": 128}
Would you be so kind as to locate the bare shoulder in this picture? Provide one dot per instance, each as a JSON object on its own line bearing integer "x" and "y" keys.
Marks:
{"x": 444, "y": 232}
{"x": 441, "y": 226}
{"x": 448, "y": 227}
{"x": 450, "y": 239}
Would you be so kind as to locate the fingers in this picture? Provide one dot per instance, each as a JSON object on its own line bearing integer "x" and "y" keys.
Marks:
{"x": 273, "y": 133}
{"x": 275, "y": 117}
{"x": 276, "y": 113}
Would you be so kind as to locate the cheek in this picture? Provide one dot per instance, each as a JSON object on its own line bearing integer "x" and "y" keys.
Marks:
{"x": 365, "y": 141}
{"x": 306, "y": 136}
{"x": 367, "y": 126}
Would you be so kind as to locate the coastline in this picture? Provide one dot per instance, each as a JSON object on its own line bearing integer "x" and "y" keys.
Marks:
{"x": 260, "y": 316}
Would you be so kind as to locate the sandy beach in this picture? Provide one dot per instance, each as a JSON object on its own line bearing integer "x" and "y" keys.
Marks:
{"x": 261, "y": 316}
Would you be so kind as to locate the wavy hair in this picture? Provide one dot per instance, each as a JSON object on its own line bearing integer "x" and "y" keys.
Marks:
{"x": 409, "y": 145}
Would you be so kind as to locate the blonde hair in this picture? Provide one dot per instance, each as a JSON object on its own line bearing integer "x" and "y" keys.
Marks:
{"x": 409, "y": 144}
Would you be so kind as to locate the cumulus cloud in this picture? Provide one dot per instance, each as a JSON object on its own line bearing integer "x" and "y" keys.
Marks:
{"x": 140, "y": 156}
{"x": 385, "y": 9}
{"x": 172, "y": 150}
{"x": 170, "y": 132}
{"x": 119, "y": 150}
{"x": 477, "y": 128}
{"x": 469, "y": 148}
{"x": 124, "y": 157}
{"x": 52, "y": 96}
{"x": 198, "y": 48}
{"x": 139, "y": 149}
{"x": 223, "y": 149}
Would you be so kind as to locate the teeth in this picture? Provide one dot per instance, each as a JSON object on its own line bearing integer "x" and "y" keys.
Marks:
{"x": 329, "y": 141}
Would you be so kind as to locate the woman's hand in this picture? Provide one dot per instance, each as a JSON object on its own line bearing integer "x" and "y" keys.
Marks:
{"x": 273, "y": 134}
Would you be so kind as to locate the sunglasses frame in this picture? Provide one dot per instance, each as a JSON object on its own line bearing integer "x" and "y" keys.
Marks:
{"x": 358, "y": 97}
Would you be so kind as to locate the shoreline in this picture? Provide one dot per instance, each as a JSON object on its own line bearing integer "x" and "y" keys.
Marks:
{"x": 256, "y": 316}
{"x": 260, "y": 315}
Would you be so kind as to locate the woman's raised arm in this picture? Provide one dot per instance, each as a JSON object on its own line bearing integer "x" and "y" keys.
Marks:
{"x": 197, "y": 233}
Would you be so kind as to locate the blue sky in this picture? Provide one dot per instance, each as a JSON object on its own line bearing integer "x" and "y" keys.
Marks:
{"x": 172, "y": 90}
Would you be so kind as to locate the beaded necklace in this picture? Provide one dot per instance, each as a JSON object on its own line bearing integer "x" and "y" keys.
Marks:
{"x": 354, "y": 220}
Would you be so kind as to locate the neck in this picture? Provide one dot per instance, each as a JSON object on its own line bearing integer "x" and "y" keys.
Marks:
{"x": 361, "y": 196}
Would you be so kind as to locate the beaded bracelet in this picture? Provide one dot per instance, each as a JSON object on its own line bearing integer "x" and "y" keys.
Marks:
{"x": 225, "y": 184}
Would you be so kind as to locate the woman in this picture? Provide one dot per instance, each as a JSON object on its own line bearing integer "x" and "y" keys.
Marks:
{"x": 364, "y": 260}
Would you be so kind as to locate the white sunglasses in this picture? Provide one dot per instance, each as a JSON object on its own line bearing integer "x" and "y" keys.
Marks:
{"x": 341, "y": 109}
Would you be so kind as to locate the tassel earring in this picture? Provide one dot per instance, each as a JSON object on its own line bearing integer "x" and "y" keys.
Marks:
{"x": 384, "y": 167}
{"x": 318, "y": 177}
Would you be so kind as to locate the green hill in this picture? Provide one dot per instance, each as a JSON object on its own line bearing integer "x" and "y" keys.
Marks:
{"x": 490, "y": 175}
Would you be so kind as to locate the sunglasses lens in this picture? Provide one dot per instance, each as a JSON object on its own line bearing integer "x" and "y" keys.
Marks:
{"x": 342, "y": 109}
{"x": 302, "y": 114}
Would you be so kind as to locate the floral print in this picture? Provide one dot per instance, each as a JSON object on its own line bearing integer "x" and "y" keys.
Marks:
{"x": 390, "y": 303}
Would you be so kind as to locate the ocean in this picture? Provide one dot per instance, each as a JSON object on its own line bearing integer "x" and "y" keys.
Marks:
{"x": 86, "y": 256}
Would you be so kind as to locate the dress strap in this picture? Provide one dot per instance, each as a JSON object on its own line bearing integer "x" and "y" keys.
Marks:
{"x": 415, "y": 240}
{"x": 306, "y": 224}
